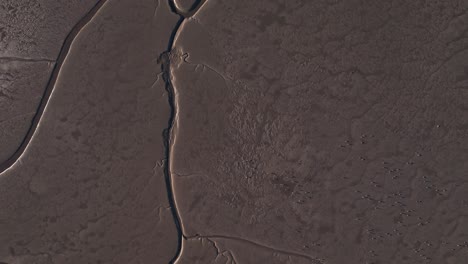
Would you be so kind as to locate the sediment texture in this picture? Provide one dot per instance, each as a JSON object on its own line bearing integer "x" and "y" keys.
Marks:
{"x": 329, "y": 130}
{"x": 233, "y": 131}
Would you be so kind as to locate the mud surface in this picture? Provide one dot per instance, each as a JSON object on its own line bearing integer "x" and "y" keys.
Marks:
{"x": 234, "y": 131}
{"x": 89, "y": 186}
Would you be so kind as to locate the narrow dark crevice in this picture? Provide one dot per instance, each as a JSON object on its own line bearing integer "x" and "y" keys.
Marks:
{"x": 165, "y": 61}
{"x": 64, "y": 50}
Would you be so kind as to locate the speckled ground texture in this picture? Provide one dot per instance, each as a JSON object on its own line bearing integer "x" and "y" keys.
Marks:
{"x": 233, "y": 131}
